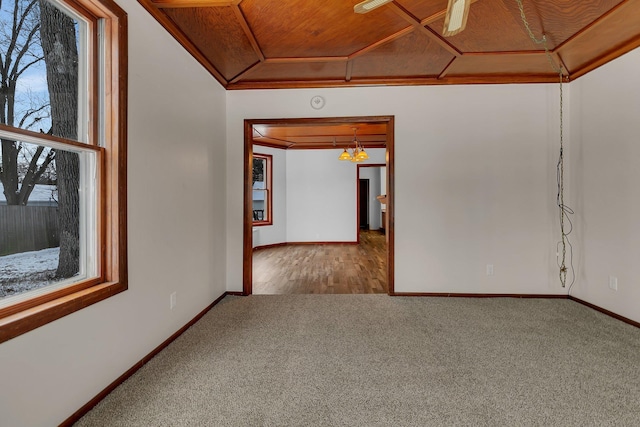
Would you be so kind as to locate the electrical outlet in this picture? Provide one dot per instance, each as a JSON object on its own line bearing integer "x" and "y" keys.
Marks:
{"x": 613, "y": 283}
{"x": 489, "y": 269}
{"x": 172, "y": 300}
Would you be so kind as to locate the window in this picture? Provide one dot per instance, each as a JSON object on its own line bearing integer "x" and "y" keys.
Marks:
{"x": 262, "y": 213}
{"x": 62, "y": 159}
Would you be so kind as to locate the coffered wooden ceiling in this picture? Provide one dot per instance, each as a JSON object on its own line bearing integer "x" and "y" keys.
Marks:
{"x": 304, "y": 135}
{"x": 252, "y": 44}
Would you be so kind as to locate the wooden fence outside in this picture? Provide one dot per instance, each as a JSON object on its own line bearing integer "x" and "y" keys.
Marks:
{"x": 28, "y": 228}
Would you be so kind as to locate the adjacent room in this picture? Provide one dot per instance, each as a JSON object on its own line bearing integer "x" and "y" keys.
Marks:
{"x": 167, "y": 228}
{"x": 318, "y": 223}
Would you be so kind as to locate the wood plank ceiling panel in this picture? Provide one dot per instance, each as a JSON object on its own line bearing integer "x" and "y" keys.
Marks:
{"x": 288, "y": 71}
{"x": 413, "y": 54}
{"x": 563, "y": 19}
{"x": 216, "y": 32}
{"x": 301, "y": 28}
{"x": 305, "y": 136}
{"x": 320, "y": 144}
{"x": 251, "y": 44}
{"x": 491, "y": 27}
{"x": 423, "y": 9}
{"x": 605, "y": 39}
{"x": 531, "y": 64}
{"x": 194, "y": 3}
{"x": 324, "y": 131}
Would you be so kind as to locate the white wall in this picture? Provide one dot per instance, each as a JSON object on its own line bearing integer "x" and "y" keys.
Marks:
{"x": 314, "y": 197}
{"x": 375, "y": 212}
{"x": 475, "y": 180}
{"x": 276, "y": 233}
{"x": 321, "y": 195}
{"x": 176, "y": 199}
{"x": 606, "y": 162}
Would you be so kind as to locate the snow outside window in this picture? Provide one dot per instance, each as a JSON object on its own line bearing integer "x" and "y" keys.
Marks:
{"x": 62, "y": 140}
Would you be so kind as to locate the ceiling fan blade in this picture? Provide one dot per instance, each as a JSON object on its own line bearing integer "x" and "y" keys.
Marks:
{"x": 369, "y": 5}
{"x": 456, "y": 18}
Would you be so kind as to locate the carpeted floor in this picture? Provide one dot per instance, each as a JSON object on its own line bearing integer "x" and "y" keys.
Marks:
{"x": 375, "y": 360}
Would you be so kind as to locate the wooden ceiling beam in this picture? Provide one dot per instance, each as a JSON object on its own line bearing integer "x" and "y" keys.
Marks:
{"x": 287, "y": 145}
{"x": 247, "y": 31}
{"x": 429, "y": 19}
{"x": 283, "y": 146}
{"x": 592, "y": 24}
{"x": 331, "y": 147}
{"x": 273, "y": 142}
{"x": 331, "y": 129}
{"x": 269, "y": 144}
{"x": 324, "y": 139}
{"x": 325, "y": 143}
{"x": 446, "y": 69}
{"x": 165, "y": 4}
{"x": 506, "y": 52}
{"x": 442, "y": 42}
{"x": 379, "y": 43}
{"x": 418, "y": 81}
{"x": 610, "y": 36}
{"x": 298, "y": 60}
{"x": 609, "y": 56}
{"x": 242, "y": 20}
{"x": 245, "y": 72}
{"x": 182, "y": 38}
{"x": 417, "y": 24}
{"x": 565, "y": 71}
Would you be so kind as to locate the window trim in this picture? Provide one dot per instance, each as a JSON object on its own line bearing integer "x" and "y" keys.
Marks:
{"x": 268, "y": 190}
{"x": 112, "y": 279}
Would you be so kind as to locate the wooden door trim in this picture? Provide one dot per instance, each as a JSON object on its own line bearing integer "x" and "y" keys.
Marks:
{"x": 247, "y": 247}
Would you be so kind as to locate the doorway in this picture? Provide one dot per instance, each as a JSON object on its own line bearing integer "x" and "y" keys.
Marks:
{"x": 258, "y": 126}
{"x": 372, "y": 197}
{"x": 363, "y": 204}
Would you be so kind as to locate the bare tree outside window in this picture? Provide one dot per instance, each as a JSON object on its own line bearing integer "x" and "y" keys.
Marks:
{"x": 63, "y": 177}
{"x": 59, "y": 45}
{"x": 24, "y": 102}
{"x": 39, "y": 89}
{"x": 258, "y": 170}
{"x": 261, "y": 189}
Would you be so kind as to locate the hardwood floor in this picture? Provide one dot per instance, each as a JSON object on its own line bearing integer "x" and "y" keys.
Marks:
{"x": 323, "y": 269}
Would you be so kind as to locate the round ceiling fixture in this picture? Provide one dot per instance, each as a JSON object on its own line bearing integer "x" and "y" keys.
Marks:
{"x": 317, "y": 102}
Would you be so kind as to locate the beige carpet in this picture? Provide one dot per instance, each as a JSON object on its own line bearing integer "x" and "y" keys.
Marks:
{"x": 374, "y": 360}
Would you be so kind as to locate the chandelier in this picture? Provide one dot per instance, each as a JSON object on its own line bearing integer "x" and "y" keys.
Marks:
{"x": 357, "y": 152}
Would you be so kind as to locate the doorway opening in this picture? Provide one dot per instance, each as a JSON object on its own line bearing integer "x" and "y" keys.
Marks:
{"x": 372, "y": 201}
{"x": 363, "y": 203}
{"x": 277, "y": 133}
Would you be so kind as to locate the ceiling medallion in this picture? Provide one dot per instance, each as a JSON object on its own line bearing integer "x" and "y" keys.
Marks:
{"x": 317, "y": 102}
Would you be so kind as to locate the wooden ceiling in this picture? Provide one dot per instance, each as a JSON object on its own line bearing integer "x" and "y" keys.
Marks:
{"x": 305, "y": 135}
{"x": 254, "y": 44}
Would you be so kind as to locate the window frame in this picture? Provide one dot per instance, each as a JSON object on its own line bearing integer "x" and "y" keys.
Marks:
{"x": 268, "y": 217}
{"x": 106, "y": 93}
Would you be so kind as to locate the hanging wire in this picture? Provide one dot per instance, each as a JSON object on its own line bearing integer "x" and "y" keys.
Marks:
{"x": 566, "y": 226}
{"x": 543, "y": 41}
